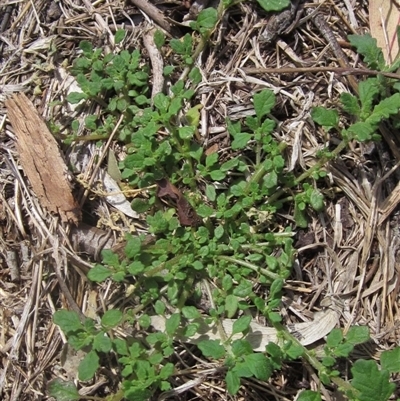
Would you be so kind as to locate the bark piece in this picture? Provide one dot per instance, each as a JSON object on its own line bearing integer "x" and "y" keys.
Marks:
{"x": 41, "y": 159}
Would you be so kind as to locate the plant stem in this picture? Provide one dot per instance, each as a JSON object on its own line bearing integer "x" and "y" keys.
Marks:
{"x": 255, "y": 268}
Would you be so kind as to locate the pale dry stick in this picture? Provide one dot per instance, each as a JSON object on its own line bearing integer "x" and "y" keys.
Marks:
{"x": 366, "y": 250}
{"x": 155, "y": 14}
{"x": 39, "y": 24}
{"x": 101, "y": 158}
{"x": 99, "y": 19}
{"x": 157, "y": 62}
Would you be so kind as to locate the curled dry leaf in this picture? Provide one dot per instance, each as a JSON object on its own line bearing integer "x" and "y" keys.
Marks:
{"x": 186, "y": 214}
{"x": 384, "y": 18}
{"x": 41, "y": 159}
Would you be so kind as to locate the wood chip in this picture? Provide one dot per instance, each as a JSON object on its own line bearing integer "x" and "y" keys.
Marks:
{"x": 41, "y": 159}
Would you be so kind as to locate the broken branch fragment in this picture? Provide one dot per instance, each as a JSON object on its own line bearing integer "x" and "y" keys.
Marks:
{"x": 41, "y": 159}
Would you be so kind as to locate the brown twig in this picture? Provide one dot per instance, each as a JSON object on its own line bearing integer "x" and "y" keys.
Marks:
{"x": 327, "y": 33}
{"x": 337, "y": 70}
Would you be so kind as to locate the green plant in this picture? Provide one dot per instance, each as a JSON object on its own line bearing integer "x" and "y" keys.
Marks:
{"x": 233, "y": 243}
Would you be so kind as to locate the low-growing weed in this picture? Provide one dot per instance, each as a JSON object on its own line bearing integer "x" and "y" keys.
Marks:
{"x": 221, "y": 232}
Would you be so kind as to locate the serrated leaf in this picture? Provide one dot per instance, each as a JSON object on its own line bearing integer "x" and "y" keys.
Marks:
{"x": 240, "y": 325}
{"x": 259, "y": 366}
{"x": 76, "y": 97}
{"x": 357, "y": 335}
{"x": 63, "y": 391}
{"x": 363, "y": 131}
{"x": 334, "y": 338}
{"x": 367, "y": 46}
{"x": 86, "y": 47}
{"x": 324, "y": 117}
{"x": 69, "y": 321}
{"x": 263, "y": 101}
{"x": 207, "y": 19}
{"x": 350, "y": 104}
{"x": 241, "y": 140}
{"x": 385, "y": 109}
{"x": 102, "y": 343}
{"x": 88, "y": 366}
{"x": 241, "y": 347}
{"x": 119, "y": 36}
{"x": 211, "y": 349}
{"x": 372, "y": 383}
{"x": 368, "y": 91}
{"x": 232, "y": 382}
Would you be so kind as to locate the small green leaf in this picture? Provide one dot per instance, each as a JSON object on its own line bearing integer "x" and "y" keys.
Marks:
{"x": 140, "y": 205}
{"x": 88, "y": 366}
{"x": 186, "y": 132}
{"x": 86, "y": 47}
{"x": 159, "y": 307}
{"x": 231, "y": 305}
{"x": 159, "y": 39}
{"x": 309, "y": 395}
{"x": 264, "y": 101}
{"x": 69, "y": 321}
{"x": 317, "y": 200}
{"x": 205, "y": 211}
{"x": 210, "y": 192}
{"x": 217, "y": 175}
{"x": 259, "y": 366}
{"x": 76, "y": 97}
{"x": 63, "y": 391}
{"x": 211, "y": 349}
{"x": 111, "y": 318}
{"x": 190, "y": 312}
{"x": 334, "y": 338}
{"x": 172, "y": 324}
{"x": 119, "y": 36}
{"x": 195, "y": 75}
{"x": 241, "y": 140}
{"x": 271, "y": 179}
{"x": 232, "y": 382}
{"x": 207, "y": 19}
{"x": 102, "y": 343}
{"x": 99, "y": 273}
{"x": 219, "y": 232}
{"x": 177, "y": 46}
{"x": 240, "y": 325}
{"x": 241, "y": 347}
{"x": 324, "y": 117}
{"x": 390, "y": 360}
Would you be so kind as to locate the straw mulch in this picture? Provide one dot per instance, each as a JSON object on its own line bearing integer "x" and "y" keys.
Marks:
{"x": 351, "y": 249}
